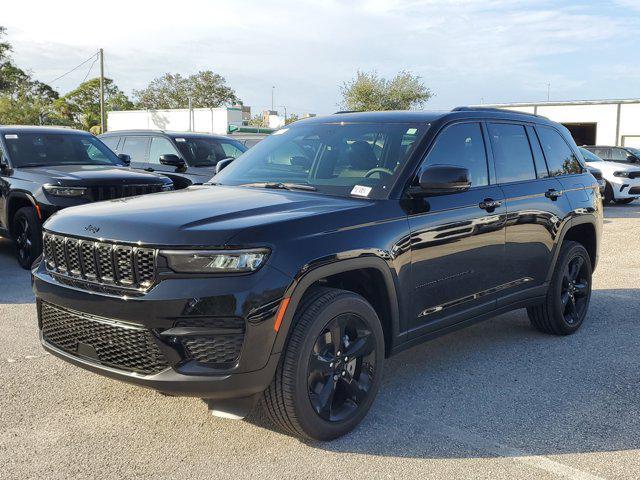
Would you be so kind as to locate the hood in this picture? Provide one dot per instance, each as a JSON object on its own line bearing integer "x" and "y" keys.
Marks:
{"x": 92, "y": 175}
{"x": 206, "y": 216}
{"x": 610, "y": 167}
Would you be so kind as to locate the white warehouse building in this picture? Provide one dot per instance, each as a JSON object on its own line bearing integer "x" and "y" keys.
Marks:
{"x": 204, "y": 120}
{"x": 591, "y": 122}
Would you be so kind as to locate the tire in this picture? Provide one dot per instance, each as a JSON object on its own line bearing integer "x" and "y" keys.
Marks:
{"x": 625, "y": 201}
{"x": 608, "y": 194}
{"x": 568, "y": 296}
{"x": 27, "y": 234}
{"x": 318, "y": 392}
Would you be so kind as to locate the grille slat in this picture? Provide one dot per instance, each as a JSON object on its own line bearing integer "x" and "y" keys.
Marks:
{"x": 112, "y": 192}
{"x": 110, "y": 343}
{"x": 100, "y": 262}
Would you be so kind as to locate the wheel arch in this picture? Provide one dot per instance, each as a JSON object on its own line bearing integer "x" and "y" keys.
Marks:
{"x": 369, "y": 277}
{"x": 582, "y": 230}
{"x": 15, "y": 201}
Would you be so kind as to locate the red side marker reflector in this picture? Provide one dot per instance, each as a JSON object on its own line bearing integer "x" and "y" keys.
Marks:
{"x": 38, "y": 212}
{"x": 281, "y": 311}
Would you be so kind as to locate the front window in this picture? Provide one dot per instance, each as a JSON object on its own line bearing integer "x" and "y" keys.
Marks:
{"x": 207, "y": 152}
{"x": 45, "y": 149}
{"x": 589, "y": 156}
{"x": 336, "y": 159}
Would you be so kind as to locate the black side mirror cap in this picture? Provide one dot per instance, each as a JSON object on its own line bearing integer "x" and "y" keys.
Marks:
{"x": 632, "y": 159}
{"x": 442, "y": 180}
{"x": 223, "y": 163}
{"x": 172, "y": 160}
{"x": 125, "y": 158}
{"x": 4, "y": 166}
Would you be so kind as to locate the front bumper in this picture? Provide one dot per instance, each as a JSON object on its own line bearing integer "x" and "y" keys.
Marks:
{"x": 625, "y": 188}
{"x": 160, "y": 315}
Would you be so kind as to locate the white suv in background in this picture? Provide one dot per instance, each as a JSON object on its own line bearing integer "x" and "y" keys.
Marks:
{"x": 623, "y": 180}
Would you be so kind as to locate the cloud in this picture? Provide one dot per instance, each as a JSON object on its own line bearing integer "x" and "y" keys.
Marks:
{"x": 464, "y": 49}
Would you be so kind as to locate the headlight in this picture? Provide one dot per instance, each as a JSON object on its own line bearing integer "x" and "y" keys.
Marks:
{"x": 167, "y": 187}
{"x": 216, "y": 261}
{"x": 621, "y": 174}
{"x": 59, "y": 191}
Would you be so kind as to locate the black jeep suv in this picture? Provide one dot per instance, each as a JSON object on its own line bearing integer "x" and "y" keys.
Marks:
{"x": 45, "y": 169}
{"x": 187, "y": 158}
{"x": 328, "y": 246}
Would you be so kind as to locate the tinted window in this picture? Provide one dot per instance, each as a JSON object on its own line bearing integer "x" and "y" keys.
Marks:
{"x": 135, "y": 147}
{"x": 512, "y": 153}
{"x": 233, "y": 149}
{"x": 601, "y": 152}
{"x": 205, "y": 151}
{"x": 36, "y": 149}
{"x": 589, "y": 156}
{"x": 160, "y": 146}
{"x": 560, "y": 157}
{"x": 462, "y": 145}
{"x": 111, "y": 142}
{"x": 619, "y": 155}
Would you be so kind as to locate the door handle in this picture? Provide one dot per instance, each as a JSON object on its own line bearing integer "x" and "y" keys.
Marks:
{"x": 489, "y": 204}
{"x": 149, "y": 169}
{"x": 553, "y": 194}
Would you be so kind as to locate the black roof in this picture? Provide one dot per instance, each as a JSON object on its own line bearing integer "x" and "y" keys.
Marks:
{"x": 163, "y": 132}
{"x": 38, "y": 129}
{"x": 415, "y": 116}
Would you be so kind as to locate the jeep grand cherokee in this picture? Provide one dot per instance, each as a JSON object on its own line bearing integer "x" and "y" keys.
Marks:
{"x": 332, "y": 244}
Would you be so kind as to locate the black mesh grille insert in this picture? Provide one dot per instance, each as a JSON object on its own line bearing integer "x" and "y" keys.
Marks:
{"x": 219, "y": 350}
{"x": 104, "y": 341}
{"x": 100, "y": 262}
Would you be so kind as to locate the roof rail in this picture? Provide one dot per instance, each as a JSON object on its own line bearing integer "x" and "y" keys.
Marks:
{"x": 347, "y": 111}
{"x": 494, "y": 109}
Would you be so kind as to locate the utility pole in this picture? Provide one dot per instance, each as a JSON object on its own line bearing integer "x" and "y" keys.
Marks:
{"x": 103, "y": 123}
{"x": 272, "y": 90}
{"x": 548, "y": 91}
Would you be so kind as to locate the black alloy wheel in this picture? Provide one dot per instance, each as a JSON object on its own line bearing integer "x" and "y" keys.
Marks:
{"x": 341, "y": 368}
{"x": 27, "y": 234}
{"x": 575, "y": 290}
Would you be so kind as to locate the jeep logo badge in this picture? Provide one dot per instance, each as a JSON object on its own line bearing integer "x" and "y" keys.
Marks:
{"x": 92, "y": 229}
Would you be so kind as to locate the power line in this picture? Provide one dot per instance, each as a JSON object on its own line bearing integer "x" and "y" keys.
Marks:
{"x": 74, "y": 68}
{"x": 89, "y": 71}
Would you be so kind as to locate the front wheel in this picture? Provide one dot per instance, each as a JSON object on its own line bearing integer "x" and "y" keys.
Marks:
{"x": 27, "y": 234}
{"x": 331, "y": 369}
{"x": 569, "y": 293}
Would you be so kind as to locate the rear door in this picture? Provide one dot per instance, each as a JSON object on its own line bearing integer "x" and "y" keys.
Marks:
{"x": 4, "y": 189}
{"x": 137, "y": 147}
{"x": 457, "y": 241}
{"x": 535, "y": 208}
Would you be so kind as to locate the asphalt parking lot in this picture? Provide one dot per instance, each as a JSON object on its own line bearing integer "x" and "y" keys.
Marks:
{"x": 498, "y": 400}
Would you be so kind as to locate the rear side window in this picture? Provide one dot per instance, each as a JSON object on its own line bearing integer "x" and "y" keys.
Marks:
{"x": 619, "y": 155}
{"x": 511, "y": 152}
{"x": 111, "y": 142}
{"x": 135, "y": 147}
{"x": 601, "y": 152}
{"x": 560, "y": 158}
{"x": 462, "y": 145}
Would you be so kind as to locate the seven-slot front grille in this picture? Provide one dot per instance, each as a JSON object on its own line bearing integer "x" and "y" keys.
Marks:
{"x": 100, "y": 262}
{"x": 110, "y": 343}
{"x": 111, "y": 192}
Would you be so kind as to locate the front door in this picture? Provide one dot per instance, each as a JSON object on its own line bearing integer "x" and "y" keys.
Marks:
{"x": 457, "y": 240}
{"x": 136, "y": 147}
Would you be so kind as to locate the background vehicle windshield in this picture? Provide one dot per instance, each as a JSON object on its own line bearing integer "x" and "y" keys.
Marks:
{"x": 42, "y": 149}
{"x": 333, "y": 158}
{"x": 634, "y": 151}
{"x": 589, "y": 156}
{"x": 207, "y": 152}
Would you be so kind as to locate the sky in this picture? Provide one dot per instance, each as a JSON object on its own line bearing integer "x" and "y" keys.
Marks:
{"x": 465, "y": 51}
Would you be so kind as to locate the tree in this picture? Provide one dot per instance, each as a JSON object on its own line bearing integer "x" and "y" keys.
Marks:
{"x": 291, "y": 118}
{"x": 206, "y": 89}
{"x": 23, "y": 100}
{"x": 257, "y": 120}
{"x": 368, "y": 92}
{"x": 81, "y": 107}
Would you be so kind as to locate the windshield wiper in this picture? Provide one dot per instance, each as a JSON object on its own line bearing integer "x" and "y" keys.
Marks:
{"x": 281, "y": 186}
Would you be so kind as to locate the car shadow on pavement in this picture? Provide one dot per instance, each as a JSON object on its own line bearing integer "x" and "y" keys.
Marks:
{"x": 15, "y": 282}
{"x": 501, "y": 388}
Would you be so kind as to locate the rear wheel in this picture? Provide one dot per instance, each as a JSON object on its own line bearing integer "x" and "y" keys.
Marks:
{"x": 625, "y": 201}
{"x": 330, "y": 372}
{"x": 568, "y": 295}
{"x": 27, "y": 233}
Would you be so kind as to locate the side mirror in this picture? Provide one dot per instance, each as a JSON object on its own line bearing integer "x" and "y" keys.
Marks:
{"x": 632, "y": 159}
{"x": 172, "y": 160}
{"x": 223, "y": 163}
{"x": 125, "y": 158}
{"x": 4, "y": 166}
{"x": 442, "y": 180}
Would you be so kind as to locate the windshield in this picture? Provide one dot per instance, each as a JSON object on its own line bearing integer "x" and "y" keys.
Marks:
{"x": 589, "y": 156}
{"x": 634, "y": 151}
{"x": 337, "y": 159}
{"x": 207, "y": 152}
{"x": 44, "y": 149}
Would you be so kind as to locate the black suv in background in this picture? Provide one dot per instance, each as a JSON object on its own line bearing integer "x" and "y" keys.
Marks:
{"x": 186, "y": 158}
{"x": 45, "y": 169}
{"x": 615, "y": 154}
{"x": 333, "y": 243}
